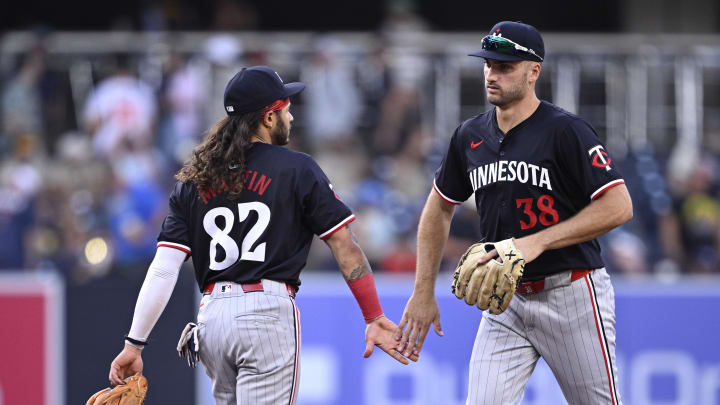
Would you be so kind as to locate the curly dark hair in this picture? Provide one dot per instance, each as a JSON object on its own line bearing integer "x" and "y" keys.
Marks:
{"x": 219, "y": 163}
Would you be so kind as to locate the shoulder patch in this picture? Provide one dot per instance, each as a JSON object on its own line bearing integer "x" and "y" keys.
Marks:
{"x": 599, "y": 158}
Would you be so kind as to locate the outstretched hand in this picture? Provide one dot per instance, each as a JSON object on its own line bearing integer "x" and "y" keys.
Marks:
{"x": 420, "y": 311}
{"x": 127, "y": 363}
{"x": 381, "y": 333}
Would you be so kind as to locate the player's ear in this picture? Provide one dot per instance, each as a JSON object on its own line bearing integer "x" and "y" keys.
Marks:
{"x": 268, "y": 120}
{"x": 534, "y": 69}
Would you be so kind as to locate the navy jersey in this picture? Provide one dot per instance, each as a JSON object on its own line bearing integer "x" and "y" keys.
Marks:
{"x": 543, "y": 171}
{"x": 267, "y": 231}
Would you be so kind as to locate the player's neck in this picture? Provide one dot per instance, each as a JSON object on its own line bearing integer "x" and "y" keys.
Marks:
{"x": 508, "y": 117}
{"x": 261, "y": 135}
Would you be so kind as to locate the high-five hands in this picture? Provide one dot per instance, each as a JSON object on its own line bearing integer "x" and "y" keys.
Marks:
{"x": 420, "y": 311}
{"x": 382, "y": 333}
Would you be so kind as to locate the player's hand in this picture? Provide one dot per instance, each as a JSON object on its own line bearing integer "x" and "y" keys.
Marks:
{"x": 420, "y": 311}
{"x": 529, "y": 248}
{"x": 127, "y": 363}
{"x": 381, "y": 333}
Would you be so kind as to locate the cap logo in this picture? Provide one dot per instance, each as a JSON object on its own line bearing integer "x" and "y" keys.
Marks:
{"x": 229, "y": 108}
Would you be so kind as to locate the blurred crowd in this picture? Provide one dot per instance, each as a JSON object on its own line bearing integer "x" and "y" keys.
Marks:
{"x": 88, "y": 154}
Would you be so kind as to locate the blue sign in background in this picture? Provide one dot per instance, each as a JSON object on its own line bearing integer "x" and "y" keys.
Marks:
{"x": 668, "y": 352}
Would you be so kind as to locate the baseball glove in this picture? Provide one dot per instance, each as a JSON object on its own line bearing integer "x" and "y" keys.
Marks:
{"x": 132, "y": 393}
{"x": 490, "y": 285}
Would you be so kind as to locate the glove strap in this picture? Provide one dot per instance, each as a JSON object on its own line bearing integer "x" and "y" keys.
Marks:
{"x": 366, "y": 296}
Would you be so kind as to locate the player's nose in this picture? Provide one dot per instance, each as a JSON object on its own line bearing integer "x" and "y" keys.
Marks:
{"x": 490, "y": 76}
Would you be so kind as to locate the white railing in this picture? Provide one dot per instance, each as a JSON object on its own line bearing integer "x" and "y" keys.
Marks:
{"x": 636, "y": 89}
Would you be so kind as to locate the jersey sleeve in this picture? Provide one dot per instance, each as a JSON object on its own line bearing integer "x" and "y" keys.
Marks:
{"x": 323, "y": 211}
{"x": 175, "y": 231}
{"x": 451, "y": 181}
{"x": 586, "y": 159}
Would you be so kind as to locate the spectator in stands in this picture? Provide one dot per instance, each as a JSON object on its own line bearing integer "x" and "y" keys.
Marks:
{"x": 690, "y": 232}
{"x": 401, "y": 108}
{"x": 22, "y": 112}
{"x": 184, "y": 100}
{"x": 332, "y": 100}
{"x": 224, "y": 52}
{"x": 625, "y": 253}
{"x": 70, "y": 211}
{"x": 374, "y": 81}
{"x": 120, "y": 109}
{"x": 401, "y": 258}
{"x": 20, "y": 181}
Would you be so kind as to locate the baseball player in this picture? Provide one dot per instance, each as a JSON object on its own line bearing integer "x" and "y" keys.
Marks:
{"x": 539, "y": 175}
{"x": 246, "y": 209}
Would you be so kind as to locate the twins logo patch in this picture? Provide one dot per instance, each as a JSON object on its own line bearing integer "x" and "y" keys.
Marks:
{"x": 600, "y": 158}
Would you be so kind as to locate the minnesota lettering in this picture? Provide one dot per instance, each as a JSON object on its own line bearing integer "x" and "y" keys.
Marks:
{"x": 512, "y": 170}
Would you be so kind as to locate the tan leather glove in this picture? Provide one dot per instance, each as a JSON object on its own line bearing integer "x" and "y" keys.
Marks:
{"x": 490, "y": 285}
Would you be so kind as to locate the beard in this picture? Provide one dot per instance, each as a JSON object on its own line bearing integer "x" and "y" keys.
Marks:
{"x": 280, "y": 134}
{"x": 509, "y": 95}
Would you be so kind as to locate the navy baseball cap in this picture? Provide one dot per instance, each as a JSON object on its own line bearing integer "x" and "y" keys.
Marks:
{"x": 256, "y": 87}
{"x": 511, "y": 41}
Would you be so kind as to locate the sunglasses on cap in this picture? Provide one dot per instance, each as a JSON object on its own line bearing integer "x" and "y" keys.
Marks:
{"x": 506, "y": 46}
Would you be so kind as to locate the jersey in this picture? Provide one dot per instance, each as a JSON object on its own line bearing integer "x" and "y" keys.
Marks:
{"x": 266, "y": 233}
{"x": 543, "y": 171}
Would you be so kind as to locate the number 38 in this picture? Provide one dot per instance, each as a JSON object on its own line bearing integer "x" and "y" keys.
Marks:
{"x": 548, "y": 215}
{"x": 222, "y": 236}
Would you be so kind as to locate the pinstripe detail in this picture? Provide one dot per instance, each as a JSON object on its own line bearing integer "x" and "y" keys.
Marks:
{"x": 558, "y": 325}
{"x": 502, "y": 358}
{"x": 586, "y": 333}
{"x": 575, "y": 366}
{"x": 258, "y": 341}
{"x": 602, "y": 338}
{"x": 249, "y": 359}
{"x": 296, "y": 372}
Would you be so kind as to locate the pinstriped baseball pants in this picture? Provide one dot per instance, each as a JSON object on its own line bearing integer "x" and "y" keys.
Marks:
{"x": 570, "y": 324}
{"x": 250, "y": 344}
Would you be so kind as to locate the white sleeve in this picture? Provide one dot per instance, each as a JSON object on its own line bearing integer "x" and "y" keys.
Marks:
{"x": 156, "y": 290}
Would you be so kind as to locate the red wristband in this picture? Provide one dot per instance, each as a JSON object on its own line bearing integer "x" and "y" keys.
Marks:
{"x": 366, "y": 296}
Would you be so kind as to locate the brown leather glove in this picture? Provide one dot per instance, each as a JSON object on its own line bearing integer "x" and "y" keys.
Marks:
{"x": 132, "y": 393}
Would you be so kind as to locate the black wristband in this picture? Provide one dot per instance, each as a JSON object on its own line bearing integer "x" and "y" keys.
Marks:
{"x": 135, "y": 341}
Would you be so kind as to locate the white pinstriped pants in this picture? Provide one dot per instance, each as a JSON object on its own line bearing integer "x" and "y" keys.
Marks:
{"x": 250, "y": 344}
{"x": 571, "y": 325}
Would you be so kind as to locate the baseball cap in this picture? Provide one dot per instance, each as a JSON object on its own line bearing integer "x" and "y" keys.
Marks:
{"x": 255, "y": 87}
{"x": 511, "y": 41}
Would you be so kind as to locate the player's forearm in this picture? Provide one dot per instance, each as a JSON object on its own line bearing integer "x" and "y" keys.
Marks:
{"x": 609, "y": 211}
{"x": 156, "y": 291}
{"x": 349, "y": 256}
{"x": 356, "y": 271}
{"x": 432, "y": 236}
